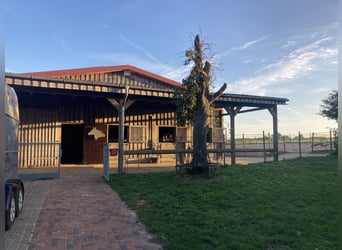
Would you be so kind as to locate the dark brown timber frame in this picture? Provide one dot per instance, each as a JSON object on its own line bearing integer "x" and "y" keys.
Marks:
{"x": 117, "y": 95}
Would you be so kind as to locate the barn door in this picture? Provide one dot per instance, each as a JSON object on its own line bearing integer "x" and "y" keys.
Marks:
{"x": 72, "y": 143}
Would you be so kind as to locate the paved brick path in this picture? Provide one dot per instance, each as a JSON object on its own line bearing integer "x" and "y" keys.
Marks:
{"x": 81, "y": 211}
{"x": 19, "y": 237}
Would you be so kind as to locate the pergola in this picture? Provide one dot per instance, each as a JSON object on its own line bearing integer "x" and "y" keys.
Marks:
{"x": 236, "y": 104}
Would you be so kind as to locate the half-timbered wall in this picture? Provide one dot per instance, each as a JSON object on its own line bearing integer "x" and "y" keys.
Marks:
{"x": 49, "y": 119}
{"x": 44, "y": 117}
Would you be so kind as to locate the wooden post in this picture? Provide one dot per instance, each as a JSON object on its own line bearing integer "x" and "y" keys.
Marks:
{"x": 150, "y": 141}
{"x": 59, "y": 160}
{"x": 312, "y": 142}
{"x": 105, "y": 161}
{"x": 331, "y": 143}
{"x": 274, "y": 112}
{"x": 224, "y": 147}
{"x": 264, "y": 146}
{"x": 232, "y": 111}
{"x": 121, "y": 137}
{"x": 121, "y": 106}
{"x": 300, "y": 145}
{"x": 232, "y": 137}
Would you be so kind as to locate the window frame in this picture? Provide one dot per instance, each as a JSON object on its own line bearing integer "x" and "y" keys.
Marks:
{"x": 162, "y": 139}
{"x": 114, "y": 139}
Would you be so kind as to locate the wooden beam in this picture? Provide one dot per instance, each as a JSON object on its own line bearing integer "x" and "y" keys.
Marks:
{"x": 274, "y": 112}
{"x": 121, "y": 105}
{"x": 250, "y": 110}
{"x": 232, "y": 111}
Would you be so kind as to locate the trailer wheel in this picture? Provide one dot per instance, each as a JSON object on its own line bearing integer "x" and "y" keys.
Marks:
{"x": 10, "y": 213}
{"x": 20, "y": 201}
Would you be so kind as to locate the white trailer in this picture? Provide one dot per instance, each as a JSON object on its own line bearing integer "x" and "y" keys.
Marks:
{"x": 14, "y": 187}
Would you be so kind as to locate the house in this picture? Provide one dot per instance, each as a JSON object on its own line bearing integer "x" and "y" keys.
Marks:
{"x": 79, "y": 110}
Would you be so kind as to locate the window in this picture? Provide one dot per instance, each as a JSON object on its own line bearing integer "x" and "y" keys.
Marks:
{"x": 137, "y": 134}
{"x": 217, "y": 135}
{"x": 113, "y": 133}
{"x": 182, "y": 134}
{"x": 167, "y": 134}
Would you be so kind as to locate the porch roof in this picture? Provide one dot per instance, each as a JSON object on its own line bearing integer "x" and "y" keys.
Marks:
{"x": 50, "y": 85}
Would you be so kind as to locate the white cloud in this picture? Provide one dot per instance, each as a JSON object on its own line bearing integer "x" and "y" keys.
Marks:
{"x": 66, "y": 47}
{"x": 151, "y": 63}
{"x": 290, "y": 43}
{"x": 106, "y": 26}
{"x": 247, "y": 61}
{"x": 282, "y": 91}
{"x": 244, "y": 46}
{"x": 299, "y": 62}
{"x": 297, "y": 113}
{"x": 168, "y": 71}
{"x": 176, "y": 73}
{"x": 320, "y": 90}
{"x": 139, "y": 48}
{"x": 144, "y": 60}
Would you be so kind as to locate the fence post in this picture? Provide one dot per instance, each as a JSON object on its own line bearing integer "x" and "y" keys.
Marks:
{"x": 264, "y": 146}
{"x": 105, "y": 161}
{"x": 269, "y": 141}
{"x": 312, "y": 141}
{"x": 223, "y": 148}
{"x": 300, "y": 145}
{"x": 59, "y": 160}
{"x": 284, "y": 144}
{"x": 331, "y": 143}
{"x": 243, "y": 141}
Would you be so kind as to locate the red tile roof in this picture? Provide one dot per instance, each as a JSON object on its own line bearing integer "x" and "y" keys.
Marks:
{"x": 102, "y": 69}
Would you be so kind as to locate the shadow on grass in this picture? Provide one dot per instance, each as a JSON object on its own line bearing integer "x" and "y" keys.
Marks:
{"x": 290, "y": 204}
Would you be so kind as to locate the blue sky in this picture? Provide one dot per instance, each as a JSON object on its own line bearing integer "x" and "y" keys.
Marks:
{"x": 265, "y": 47}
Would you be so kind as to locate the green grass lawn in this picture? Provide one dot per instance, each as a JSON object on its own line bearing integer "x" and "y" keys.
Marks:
{"x": 290, "y": 204}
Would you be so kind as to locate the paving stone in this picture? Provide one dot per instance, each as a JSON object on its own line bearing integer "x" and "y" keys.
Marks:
{"x": 20, "y": 236}
{"x": 80, "y": 211}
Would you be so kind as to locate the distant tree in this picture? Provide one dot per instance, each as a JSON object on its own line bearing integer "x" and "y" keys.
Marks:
{"x": 329, "y": 109}
{"x": 297, "y": 137}
{"x": 329, "y": 106}
{"x": 193, "y": 102}
{"x": 283, "y": 137}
